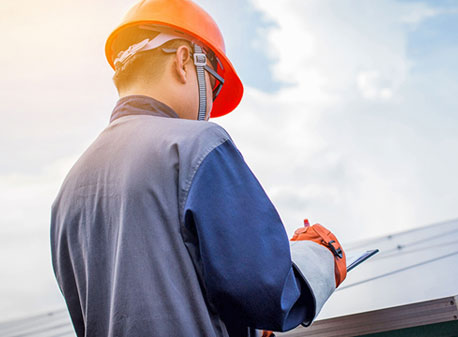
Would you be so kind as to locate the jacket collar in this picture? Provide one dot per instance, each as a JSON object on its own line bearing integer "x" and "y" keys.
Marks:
{"x": 141, "y": 105}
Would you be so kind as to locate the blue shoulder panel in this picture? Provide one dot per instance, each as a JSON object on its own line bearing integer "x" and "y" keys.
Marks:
{"x": 243, "y": 246}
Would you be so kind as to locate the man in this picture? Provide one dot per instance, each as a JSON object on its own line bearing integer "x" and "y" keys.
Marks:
{"x": 160, "y": 228}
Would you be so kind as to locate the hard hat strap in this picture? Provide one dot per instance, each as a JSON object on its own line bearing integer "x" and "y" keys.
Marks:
{"x": 200, "y": 61}
{"x": 144, "y": 45}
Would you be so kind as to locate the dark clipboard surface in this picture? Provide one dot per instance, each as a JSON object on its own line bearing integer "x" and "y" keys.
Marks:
{"x": 361, "y": 258}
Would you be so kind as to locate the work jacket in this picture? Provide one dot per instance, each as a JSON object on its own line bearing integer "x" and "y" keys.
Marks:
{"x": 161, "y": 229}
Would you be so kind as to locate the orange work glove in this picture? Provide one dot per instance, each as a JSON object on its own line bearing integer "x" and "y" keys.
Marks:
{"x": 324, "y": 237}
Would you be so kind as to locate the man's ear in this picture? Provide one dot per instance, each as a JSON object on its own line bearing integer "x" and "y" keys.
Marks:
{"x": 182, "y": 59}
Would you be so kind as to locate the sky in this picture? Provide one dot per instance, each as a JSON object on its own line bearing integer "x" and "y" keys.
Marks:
{"x": 349, "y": 116}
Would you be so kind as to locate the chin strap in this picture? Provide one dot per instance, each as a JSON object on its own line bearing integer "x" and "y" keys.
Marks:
{"x": 200, "y": 61}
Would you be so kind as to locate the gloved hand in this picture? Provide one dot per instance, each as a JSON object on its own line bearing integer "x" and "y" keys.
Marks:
{"x": 324, "y": 237}
{"x": 312, "y": 268}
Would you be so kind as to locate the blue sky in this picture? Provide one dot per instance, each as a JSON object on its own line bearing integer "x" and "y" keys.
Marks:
{"x": 349, "y": 116}
{"x": 243, "y": 30}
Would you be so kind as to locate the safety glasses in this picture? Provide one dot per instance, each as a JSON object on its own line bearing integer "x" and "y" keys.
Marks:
{"x": 216, "y": 80}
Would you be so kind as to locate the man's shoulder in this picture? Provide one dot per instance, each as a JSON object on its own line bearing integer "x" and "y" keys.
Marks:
{"x": 173, "y": 130}
{"x": 200, "y": 129}
{"x": 196, "y": 134}
{"x": 192, "y": 139}
{"x": 201, "y": 137}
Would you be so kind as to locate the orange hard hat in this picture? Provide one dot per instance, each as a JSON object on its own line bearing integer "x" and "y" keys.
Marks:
{"x": 187, "y": 17}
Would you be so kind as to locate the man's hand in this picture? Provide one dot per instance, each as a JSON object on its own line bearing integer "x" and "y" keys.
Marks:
{"x": 324, "y": 237}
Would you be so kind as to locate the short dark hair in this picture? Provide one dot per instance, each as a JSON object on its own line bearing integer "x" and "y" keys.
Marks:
{"x": 148, "y": 63}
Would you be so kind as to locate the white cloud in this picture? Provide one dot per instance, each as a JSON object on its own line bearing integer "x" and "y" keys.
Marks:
{"x": 333, "y": 146}
{"x": 28, "y": 284}
{"x": 35, "y": 189}
{"x": 419, "y": 13}
{"x": 371, "y": 85}
{"x": 323, "y": 46}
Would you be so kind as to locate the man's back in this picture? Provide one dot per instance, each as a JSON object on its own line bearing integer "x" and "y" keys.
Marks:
{"x": 118, "y": 240}
{"x": 161, "y": 229}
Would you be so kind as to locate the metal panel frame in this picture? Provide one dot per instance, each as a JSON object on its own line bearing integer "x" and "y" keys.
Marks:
{"x": 389, "y": 319}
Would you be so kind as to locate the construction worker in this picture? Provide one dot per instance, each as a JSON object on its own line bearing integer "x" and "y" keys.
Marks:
{"x": 160, "y": 228}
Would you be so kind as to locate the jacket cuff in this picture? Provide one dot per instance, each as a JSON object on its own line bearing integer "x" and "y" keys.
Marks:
{"x": 315, "y": 264}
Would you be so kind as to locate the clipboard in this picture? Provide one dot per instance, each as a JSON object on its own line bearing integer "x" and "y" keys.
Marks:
{"x": 356, "y": 259}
